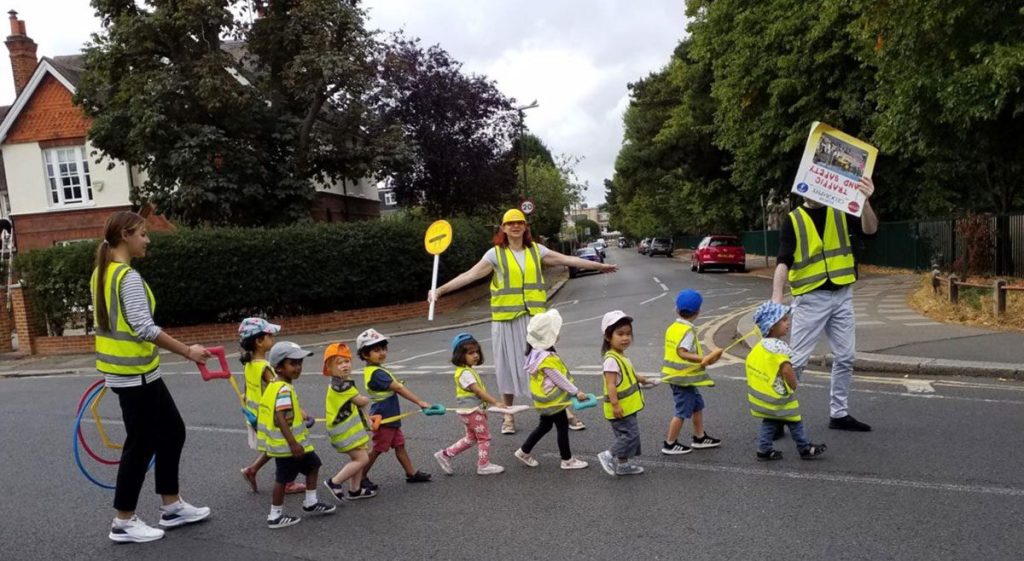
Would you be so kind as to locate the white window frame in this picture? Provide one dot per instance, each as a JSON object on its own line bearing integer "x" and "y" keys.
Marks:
{"x": 66, "y": 169}
{"x": 390, "y": 199}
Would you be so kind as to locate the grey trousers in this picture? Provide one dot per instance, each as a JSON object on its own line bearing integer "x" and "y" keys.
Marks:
{"x": 831, "y": 312}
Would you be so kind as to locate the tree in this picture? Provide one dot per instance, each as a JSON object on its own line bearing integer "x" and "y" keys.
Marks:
{"x": 460, "y": 128}
{"x": 587, "y": 229}
{"x": 239, "y": 138}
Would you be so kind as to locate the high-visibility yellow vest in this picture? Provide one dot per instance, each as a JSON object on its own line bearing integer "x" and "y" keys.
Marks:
{"x": 517, "y": 290}
{"x": 551, "y": 402}
{"x": 816, "y": 261}
{"x": 254, "y": 384}
{"x": 119, "y": 350}
{"x": 377, "y": 396}
{"x": 270, "y": 439}
{"x": 631, "y": 399}
{"x": 346, "y": 426}
{"x": 464, "y": 397}
{"x": 675, "y": 370}
{"x": 767, "y": 393}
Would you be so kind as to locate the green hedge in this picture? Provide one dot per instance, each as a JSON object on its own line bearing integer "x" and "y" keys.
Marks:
{"x": 225, "y": 274}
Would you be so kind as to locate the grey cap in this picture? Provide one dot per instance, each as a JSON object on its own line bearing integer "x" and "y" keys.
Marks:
{"x": 286, "y": 349}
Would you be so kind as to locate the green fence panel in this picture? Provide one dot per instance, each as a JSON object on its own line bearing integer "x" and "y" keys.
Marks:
{"x": 760, "y": 242}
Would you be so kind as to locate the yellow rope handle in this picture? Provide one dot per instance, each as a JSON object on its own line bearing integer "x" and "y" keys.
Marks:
{"x": 94, "y": 408}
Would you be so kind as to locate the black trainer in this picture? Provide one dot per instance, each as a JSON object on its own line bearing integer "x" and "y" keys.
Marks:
{"x": 360, "y": 494}
{"x": 706, "y": 441}
{"x": 283, "y": 521}
{"x": 848, "y": 423}
{"x": 674, "y": 448}
{"x": 338, "y": 491}
{"x": 319, "y": 508}
{"x": 367, "y": 484}
{"x": 812, "y": 451}
{"x": 418, "y": 477}
{"x": 769, "y": 456}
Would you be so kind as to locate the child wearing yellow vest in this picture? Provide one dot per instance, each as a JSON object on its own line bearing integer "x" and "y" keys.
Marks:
{"x": 771, "y": 385}
{"x": 551, "y": 386}
{"x": 683, "y": 367}
{"x": 347, "y": 426}
{"x": 284, "y": 435}
{"x": 256, "y": 337}
{"x": 470, "y": 392}
{"x": 622, "y": 396}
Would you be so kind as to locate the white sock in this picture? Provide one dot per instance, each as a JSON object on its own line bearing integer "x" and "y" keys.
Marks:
{"x": 275, "y": 512}
{"x": 310, "y": 498}
{"x": 118, "y": 523}
{"x": 173, "y": 507}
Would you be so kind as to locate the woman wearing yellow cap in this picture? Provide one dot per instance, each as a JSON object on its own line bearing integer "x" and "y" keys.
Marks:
{"x": 517, "y": 292}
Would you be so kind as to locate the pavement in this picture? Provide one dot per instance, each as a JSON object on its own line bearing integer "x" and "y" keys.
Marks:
{"x": 939, "y": 478}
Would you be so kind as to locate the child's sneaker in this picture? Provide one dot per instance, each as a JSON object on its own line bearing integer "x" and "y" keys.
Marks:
{"x": 294, "y": 488}
{"x": 674, "y": 448}
{"x": 319, "y": 508}
{"x": 705, "y": 441}
{"x": 360, "y": 494}
{"x": 769, "y": 456}
{"x": 628, "y": 469}
{"x": 574, "y": 463}
{"x": 181, "y": 513}
{"x": 508, "y": 425}
{"x": 489, "y": 469}
{"x": 444, "y": 461}
{"x": 418, "y": 477}
{"x": 367, "y": 484}
{"x": 338, "y": 491}
{"x": 527, "y": 459}
{"x": 250, "y": 477}
{"x": 283, "y": 521}
{"x": 812, "y": 451}
{"x": 133, "y": 530}
{"x": 606, "y": 462}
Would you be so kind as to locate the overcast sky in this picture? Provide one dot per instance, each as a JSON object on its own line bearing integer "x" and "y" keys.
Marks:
{"x": 574, "y": 57}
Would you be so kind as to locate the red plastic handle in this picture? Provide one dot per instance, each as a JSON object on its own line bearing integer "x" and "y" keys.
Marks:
{"x": 224, "y": 372}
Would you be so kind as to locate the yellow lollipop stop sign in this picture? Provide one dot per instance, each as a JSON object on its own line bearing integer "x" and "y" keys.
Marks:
{"x": 438, "y": 237}
{"x": 436, "y": 240}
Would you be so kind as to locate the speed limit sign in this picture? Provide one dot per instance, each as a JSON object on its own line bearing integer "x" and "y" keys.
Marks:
{"x": 527, "y": 206}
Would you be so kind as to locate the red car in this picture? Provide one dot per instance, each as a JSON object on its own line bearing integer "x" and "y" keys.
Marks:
{"x": 719, "y": 251}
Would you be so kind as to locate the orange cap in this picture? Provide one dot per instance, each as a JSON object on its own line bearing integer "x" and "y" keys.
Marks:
{"x": 336, "y": 349}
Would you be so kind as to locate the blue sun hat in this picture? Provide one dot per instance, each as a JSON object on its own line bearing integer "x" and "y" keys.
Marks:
{"x": 689, "y": 301}
{"x": 256, "y": 326}
{"x": 460, "y": 339}
{"x": 768, "y": 314}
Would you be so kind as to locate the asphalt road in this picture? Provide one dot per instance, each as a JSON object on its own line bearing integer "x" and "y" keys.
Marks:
{"x": 939, "y": 478}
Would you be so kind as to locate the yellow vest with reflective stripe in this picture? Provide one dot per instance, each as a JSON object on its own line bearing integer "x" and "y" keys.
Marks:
{"x": 631, "y": 399}
{"x": 767, "y": 393}
{"x": 254, "y": 384}
{"x": 514, "y": 290}
{"x": 464, "y": 397}
{"x": 376, "y": 396}
{"x": 549, "y": 403}
{"x": 119, "y": 350}
{"x": 677, "y": 371}
{"x": 346, "y": 426}
{"x": 815, "y": 260}
{"x": 269, "y": 437}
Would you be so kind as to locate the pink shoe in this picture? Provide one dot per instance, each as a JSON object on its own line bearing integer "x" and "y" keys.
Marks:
{"x": 295, "y": 487}
{"x": 250, "y": 478}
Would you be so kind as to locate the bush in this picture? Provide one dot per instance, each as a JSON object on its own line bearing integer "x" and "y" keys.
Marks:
{"x": 225, "y": 274}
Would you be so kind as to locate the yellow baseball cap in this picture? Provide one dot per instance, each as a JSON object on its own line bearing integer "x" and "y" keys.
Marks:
{"x": 513, "y": 215}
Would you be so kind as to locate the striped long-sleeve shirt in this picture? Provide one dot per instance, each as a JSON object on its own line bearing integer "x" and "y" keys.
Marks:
{"x": 135, "y": 304}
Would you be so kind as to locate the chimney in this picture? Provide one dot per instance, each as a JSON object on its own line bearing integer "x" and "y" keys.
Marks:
{"x": 23, "y": 53}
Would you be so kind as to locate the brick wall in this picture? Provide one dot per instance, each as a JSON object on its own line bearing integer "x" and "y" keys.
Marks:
{"x": 34, "y": 231}
{"x": 25, "y": 320}
{"x": 226, "y": 333}
{"x": 329, "y": 207}
{"x": 49, "y": 115}
{"x": 6, "y": 324}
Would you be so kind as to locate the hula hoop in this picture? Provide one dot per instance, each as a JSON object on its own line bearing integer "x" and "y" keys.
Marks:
{"x": 91, "y": 394}
{"x": 83, "y": 406}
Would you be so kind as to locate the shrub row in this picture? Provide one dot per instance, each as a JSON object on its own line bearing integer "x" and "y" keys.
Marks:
{"x": 225, "y": 274}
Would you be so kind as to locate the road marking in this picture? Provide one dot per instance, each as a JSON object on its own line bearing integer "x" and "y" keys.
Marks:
{"x": 918, "y": 386}
{"x": 862, "y": 323}
{"x": 656, "y": 279}
{"x": 649, "y": 300}
{"x": 569, "y": 303}
{"x": 922, "y": 323}
{"x": 582, "y": 320}
{"x": 904, "y": 317}
{"x": 663, "y": 287}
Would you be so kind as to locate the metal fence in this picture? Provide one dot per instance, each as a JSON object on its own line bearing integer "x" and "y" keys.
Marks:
{"x": 921, "y": 245}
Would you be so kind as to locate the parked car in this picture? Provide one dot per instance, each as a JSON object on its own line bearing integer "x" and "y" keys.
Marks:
{"x": 588, "y": 253}
{"x": 660, "y": 246}
{"x": 719, "y": 251}
{"x": 643, "y": 245}
{"x": 622, "y": 243}
{"x": 596, "y": 246}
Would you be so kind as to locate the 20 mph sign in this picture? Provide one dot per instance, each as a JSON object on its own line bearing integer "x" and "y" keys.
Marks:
{"x": 527, "y": 206}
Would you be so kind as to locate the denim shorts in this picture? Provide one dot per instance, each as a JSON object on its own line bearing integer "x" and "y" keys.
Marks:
{"x": 688, "y": 401}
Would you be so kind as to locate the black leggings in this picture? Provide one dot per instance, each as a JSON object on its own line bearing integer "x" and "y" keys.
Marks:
{"x": 154, "y": 427}
{"x": 561, "y": 422}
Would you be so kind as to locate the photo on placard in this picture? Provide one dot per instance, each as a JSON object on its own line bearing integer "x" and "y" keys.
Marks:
{"x": 840, "y": 156}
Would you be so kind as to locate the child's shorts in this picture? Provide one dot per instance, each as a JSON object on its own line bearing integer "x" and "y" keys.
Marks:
{"x": 387, "y": 438}
{"x": 289, "y": 467}
{"x": 688, "y": 401}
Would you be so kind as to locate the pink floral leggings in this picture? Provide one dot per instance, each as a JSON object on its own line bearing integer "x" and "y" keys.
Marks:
{"x": 477, "y": 432}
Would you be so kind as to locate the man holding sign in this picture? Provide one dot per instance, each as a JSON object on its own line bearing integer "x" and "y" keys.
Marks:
{"x": 816, "y": 258}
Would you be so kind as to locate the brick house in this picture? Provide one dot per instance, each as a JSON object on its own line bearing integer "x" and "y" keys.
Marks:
{"x": 50, "y": 187}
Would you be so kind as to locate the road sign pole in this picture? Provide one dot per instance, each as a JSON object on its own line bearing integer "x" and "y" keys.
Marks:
{"x": 433, "y": 287}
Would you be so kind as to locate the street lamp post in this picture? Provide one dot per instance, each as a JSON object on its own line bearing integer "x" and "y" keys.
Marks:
{"x": 522, "y": 144}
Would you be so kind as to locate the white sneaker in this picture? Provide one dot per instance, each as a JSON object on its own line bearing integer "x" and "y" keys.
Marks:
{"x": 181, "y": 513}
{"x": 606, "y": 462}
{"x": 133, "y": 530}
{"x": 527, "y": 458}
{"x": 573, "y": 463}
{"x": 444, "y": 461}
{"x": 489, "y": 469}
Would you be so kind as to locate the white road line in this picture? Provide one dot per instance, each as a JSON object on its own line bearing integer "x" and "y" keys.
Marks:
{"x": 656, "y": 279}
{"x": 860, "y": 323}
{"x": 569, "y": 303}
{"x": 904, "y": 317}
{"x": 922, "y": 323}
{"x": 582, "y": 320}
{"x": 649, "y": 300}
{"x": 663, "y": 287}
{"x": 918, "y": 386}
